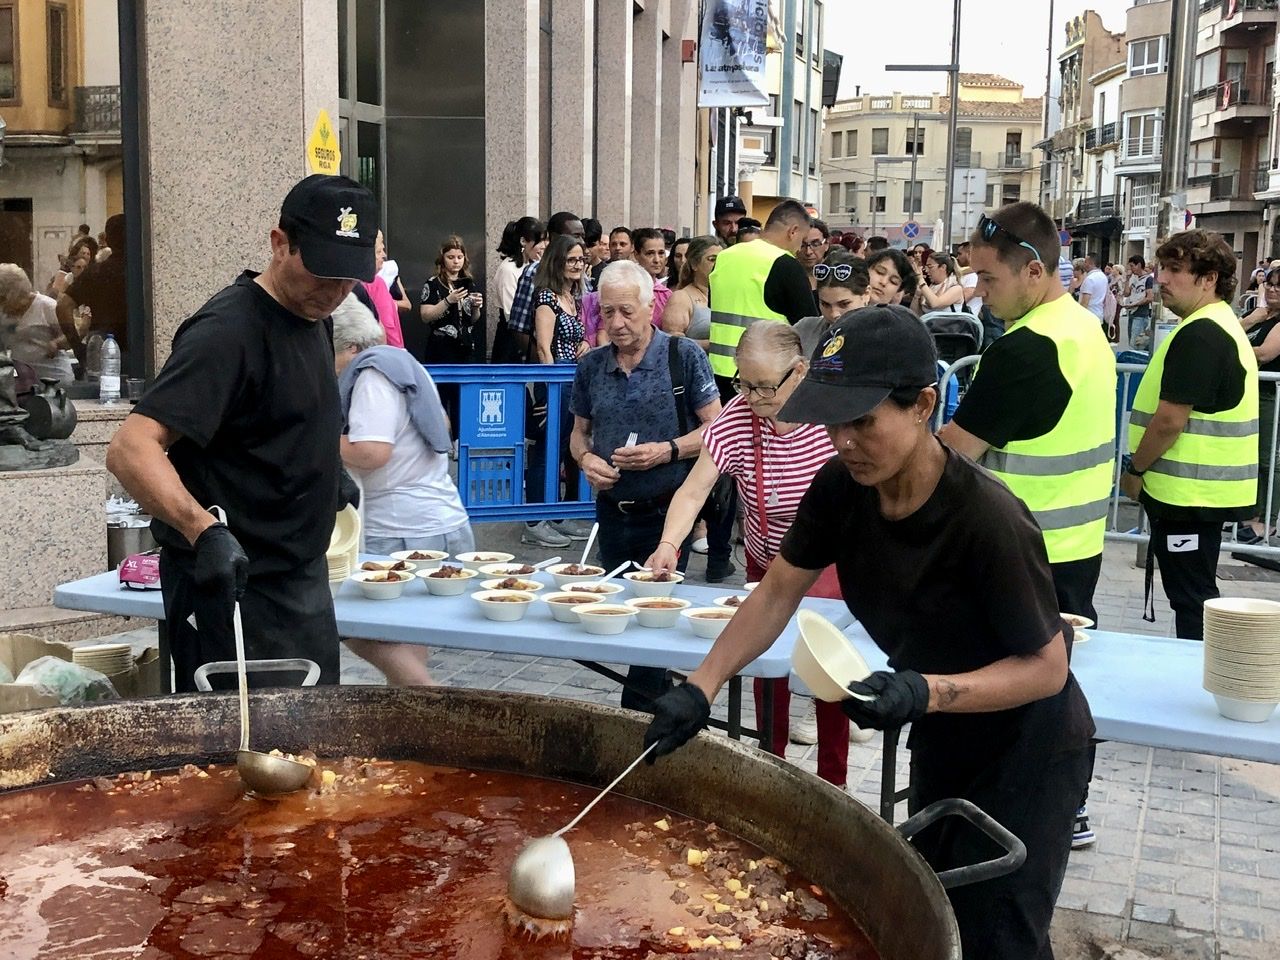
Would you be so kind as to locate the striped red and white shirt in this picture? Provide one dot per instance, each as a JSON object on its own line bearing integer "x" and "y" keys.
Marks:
{"x": 789, "y": 463}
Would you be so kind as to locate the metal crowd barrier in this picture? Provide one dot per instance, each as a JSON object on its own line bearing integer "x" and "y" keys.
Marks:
{"x": 1126, "y": 520}
{"x": 495, "y": 441}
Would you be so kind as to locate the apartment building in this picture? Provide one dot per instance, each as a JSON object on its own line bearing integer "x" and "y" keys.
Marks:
{"x": 884, "y": 158}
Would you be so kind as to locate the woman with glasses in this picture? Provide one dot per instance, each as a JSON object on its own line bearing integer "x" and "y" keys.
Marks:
{"x": 942, "y": 289}
{"x": 1262, "y": 326}
{"x": 773, "y": 464}
{"x": 557, "y": 297}
{"x": 842, "y": 286}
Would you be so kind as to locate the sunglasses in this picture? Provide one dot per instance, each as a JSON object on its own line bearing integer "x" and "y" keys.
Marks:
{"x": 842, "y": 271}
{"x": 988, "y": 229}
{"x": 765, "y": 393}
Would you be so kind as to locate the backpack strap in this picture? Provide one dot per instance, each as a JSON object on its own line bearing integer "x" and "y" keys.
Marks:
{"x": 677, "y": 383}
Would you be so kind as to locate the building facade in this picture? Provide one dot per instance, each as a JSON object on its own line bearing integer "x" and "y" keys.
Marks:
{"x": 884, "y": 158}
{"x": 60, "y": 103}
{"x": 1097, "y": 218}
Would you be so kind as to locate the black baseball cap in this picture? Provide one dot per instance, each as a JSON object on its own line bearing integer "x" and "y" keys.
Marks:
{"x": 730, "y": 204}
{"x": 335, "y": 221}
{"x": 865, "y": 357}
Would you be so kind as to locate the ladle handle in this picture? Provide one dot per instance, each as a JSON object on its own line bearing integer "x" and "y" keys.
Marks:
{"x": 240, "y": 676}
{"x": 600, "y": 796}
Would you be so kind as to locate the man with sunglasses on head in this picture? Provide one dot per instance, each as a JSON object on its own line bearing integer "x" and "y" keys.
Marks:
{"x": 1040, "y": 412}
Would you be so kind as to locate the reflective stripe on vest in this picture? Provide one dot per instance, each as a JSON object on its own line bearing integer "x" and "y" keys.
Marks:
{"x": 737, "y": 299}
{"x": 1214, "y": 461}
{"x": 1064, "y": 477}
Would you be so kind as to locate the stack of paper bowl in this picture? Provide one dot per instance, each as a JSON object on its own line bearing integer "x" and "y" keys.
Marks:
{"x": 1242, "y": 656}
{"x": 107, "y": 658}
{"x": 344, "y": 547}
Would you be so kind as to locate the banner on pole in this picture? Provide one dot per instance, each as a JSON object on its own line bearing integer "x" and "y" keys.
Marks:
{"x": 732, "y": 55}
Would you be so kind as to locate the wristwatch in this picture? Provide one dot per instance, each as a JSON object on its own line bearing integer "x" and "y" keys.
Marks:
{"x": 1130, "y": 469}
{"x": 675, "y": 451}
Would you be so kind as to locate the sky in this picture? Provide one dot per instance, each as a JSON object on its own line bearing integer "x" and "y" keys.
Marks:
{"x": 1007, "y": 37}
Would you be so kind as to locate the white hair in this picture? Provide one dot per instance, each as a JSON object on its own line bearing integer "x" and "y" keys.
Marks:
{"x": 628, "y": 273}
{"x": 354, "y": 325}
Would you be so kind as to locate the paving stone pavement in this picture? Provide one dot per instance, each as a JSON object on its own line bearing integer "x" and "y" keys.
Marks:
{"x": 1187, "y": 861}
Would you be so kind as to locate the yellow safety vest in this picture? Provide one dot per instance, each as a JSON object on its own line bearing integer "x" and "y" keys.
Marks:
{"x": 1064, "y": 477}
{"x": 1214, "y": 461}
{"x": 737, "y": 298}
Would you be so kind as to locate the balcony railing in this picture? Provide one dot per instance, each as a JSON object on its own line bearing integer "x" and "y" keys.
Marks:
{"x": 1261, "y": 180}
{"x": 97, "y": 110}
{"x": 1100, "y": 136}
{"x": 968, "y": 159}
{"x": 1010, "y": 160}
{"x": 1223, "y": 186}
{"x": 1097, "y": 208}
{"x": 1253, "y": 89}
{"x": 1237, "y": 185}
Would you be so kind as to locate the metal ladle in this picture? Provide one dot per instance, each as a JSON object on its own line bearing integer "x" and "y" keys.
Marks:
{"x": 261, "y": 772}
{"x": 542, "y": 878}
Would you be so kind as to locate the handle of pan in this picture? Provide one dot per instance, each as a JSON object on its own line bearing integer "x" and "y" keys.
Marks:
{"x": 1015, "y": 851}
{"x": 292, "y": 664}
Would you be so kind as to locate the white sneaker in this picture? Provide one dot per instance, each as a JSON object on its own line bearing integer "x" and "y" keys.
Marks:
{"x": 699, "y": 545}
{"x": 804, "y": 732}
{"x": 858, "y": 735}
{"x": 544, "y": 535}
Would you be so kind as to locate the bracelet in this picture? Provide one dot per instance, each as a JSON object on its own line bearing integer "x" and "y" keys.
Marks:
{"x": 675, "y": 451}
{"x": 671, "y": 545}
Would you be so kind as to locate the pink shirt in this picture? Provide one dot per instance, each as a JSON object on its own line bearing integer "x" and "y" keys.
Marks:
{"x": 388, "y": 313}
{"x": 591, "y": 311}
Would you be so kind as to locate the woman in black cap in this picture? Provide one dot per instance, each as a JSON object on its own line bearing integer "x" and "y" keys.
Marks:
{"x": 947, "y": 572}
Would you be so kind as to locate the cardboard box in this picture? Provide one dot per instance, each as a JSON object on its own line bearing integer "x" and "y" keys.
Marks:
{"x": 142, "y": 679}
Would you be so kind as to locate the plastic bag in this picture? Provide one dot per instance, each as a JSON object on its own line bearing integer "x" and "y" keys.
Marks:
{"x": 69, "y": 682}
{"x": 5, "y": 675}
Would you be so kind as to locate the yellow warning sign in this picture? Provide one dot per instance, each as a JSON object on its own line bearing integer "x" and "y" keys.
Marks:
{"x": 323, "y": 152}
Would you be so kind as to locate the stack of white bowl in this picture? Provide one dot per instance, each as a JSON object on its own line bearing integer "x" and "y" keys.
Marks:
{"x": 344, "y": 548}
{"x": 107, "y": 658}
{"x": 1242, "y": 656}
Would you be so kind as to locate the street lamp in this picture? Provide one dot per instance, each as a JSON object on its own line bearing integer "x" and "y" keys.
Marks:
{"x": 953, "y": 70}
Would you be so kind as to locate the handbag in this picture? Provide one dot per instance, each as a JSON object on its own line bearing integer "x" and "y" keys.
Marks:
{"x": 827, "y": 586}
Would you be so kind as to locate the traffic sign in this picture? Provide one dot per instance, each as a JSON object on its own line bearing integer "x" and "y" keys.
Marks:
{"x": 1064, "y": 238}
{"x": 911, "y": 229}
{"x": 323, "y": 153}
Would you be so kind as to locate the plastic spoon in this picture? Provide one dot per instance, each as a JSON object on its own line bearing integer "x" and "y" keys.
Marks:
{"x": 591, "y": 542}
{"x": 546, "y": 563}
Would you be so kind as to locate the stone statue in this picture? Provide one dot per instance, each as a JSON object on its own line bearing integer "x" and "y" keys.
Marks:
{"x": 19, "y": 450}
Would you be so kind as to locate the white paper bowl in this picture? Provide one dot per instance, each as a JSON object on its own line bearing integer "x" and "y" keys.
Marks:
{"x": 825, "y": 659}
{"x": 750, "y": 586}
{"x": 564, "y": 579}
{"x": 409, "y": 565}
{"x": 564, "y": 612}
{"x": 527, "y": 585}
{"x": 1249, "y": 711}
{"x": 485, "y": 556}
{"x": 503, "y": 610}
{"x": 706, "y": 622}
{"x": 647, "y": 588}
{"x": 733, "y": 601}
{"x": 605, "y": 619}
{"x": 1077, "y": 621}
{"x": 380, "y": 591}
{"x": 601, "y": 589}
{"x": 657, "y": 617}
{"x": 430, "y": 562}
{"x": 451, "y": 587}
{"x": 506, "y": 569}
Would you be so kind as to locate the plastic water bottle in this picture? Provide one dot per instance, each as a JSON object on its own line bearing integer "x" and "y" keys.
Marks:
{"x": 93, "y": 357}
{"x": 109, "y": 381}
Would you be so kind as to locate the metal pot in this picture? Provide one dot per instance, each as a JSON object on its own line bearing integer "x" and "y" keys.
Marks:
{"x": 52, "y": 415}
{"x": 867, "y": 867}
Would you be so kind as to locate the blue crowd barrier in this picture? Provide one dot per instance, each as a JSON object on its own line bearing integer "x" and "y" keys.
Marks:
{"x": 494, "y": 405}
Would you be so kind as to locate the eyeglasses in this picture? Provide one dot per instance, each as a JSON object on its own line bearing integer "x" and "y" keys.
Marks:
{"x": 574, "y": 261}
{"x": 764, "y": 393}
{"x": 813, "y": 244}
{"x": 842, "y": 271}
{"x": 988, "y": 229}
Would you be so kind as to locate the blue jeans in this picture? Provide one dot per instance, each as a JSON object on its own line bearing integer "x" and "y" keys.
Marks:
{"x": 454, "y": 542}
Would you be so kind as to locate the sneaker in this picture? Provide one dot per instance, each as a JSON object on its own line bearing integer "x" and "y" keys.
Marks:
{"x": 1082, "y": 836}
{"x": 542, "y": 534}
{"x": 859, "y": 734}
{"x": 699, "y": 545}
{"x": 578, "y": 530}
{"x": 804, "y": 732}
{"x": 721, "y": 572}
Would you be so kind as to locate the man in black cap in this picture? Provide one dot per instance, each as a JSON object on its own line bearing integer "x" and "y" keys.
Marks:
{"x": 947, "y": 572}
{"x": 245, "y": 416}
{"x": 729, "y": 210}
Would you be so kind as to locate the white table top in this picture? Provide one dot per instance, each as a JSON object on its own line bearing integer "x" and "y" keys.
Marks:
{"x": 1143, "y": 690}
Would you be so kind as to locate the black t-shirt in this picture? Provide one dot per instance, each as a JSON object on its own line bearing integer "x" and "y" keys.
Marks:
{"x": 251, "y": 389}
{"x": 957, "y": 585}
{"x": 1202, "y": 369}
{"x": 1256, "y": 337}
{"x": 787, "y": 291}
{"x": 449, "y": 336}
{"x": 1019, "y": 392}
{"x": 101, "y": 288}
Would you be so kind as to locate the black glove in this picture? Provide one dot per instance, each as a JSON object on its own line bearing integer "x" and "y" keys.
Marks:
{"x": 222, "y": 569}
{"x": 348, "y": 490}
{"x": 900, "y": 697}
{"x": 678, "y": 715}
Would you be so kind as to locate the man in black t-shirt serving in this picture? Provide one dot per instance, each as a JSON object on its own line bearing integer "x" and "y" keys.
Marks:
{"x": 245, "y": 415}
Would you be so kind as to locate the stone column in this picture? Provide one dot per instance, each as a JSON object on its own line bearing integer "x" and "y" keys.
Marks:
{"x": 746, "y": 185}
{"x": 224, "y": 137}
{"x": 647, "y": 111}
{"x": 613, "y": 112}
{"x": 678, "y": 180}
{"x": 572, "y": 106}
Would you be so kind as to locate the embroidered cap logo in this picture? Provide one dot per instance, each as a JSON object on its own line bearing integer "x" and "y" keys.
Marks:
{"x": 347, "y": 224}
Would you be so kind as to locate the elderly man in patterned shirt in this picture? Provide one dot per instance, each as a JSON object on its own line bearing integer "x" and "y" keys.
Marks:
{"x": 639, "y": 406}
